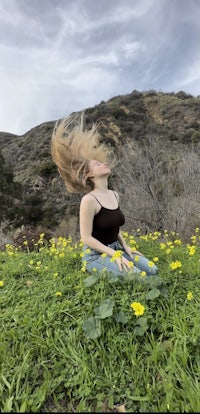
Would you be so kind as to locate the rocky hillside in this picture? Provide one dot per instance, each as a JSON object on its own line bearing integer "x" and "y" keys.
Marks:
{"x": 157, "y": 138}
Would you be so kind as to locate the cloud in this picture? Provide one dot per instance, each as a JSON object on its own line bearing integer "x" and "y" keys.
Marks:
{"x": 60, "y": 57}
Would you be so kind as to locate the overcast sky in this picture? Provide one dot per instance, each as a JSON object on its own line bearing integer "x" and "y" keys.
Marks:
{"x": 61, "y": 56}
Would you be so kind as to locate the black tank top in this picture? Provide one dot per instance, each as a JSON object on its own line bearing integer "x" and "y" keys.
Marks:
{"x": 106, "y": 224}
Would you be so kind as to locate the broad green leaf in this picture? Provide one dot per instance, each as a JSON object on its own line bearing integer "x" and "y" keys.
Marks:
{"x": 121, "y": 317}
{"x": 152, "y": 294}
{"x": 153, "y": 281}
{"x": 105, "y": 309}
{"x": 91, "y": 280}
{"x": 92, "y": 327}
{"x": 140, "y": 330}
{"x": 142, "y": 322}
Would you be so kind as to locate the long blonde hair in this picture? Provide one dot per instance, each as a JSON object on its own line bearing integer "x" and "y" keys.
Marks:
{"x": 73, "y": 147}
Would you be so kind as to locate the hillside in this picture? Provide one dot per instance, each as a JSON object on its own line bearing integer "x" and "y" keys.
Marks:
{"x": 157, "y": 138}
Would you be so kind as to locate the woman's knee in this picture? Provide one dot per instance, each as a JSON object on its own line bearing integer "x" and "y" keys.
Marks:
{"x": 153, "y": 271}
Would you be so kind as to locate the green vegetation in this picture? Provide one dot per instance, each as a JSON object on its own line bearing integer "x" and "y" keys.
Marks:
{"x": 74, "y": 342}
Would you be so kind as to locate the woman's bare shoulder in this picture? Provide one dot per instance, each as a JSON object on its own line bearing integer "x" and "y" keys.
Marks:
{"x": 88, "y": 200}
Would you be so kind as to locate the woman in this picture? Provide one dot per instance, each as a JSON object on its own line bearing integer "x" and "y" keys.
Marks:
{"x": 85, "y": 166}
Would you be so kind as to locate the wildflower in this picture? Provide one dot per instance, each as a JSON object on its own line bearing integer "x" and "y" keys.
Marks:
{"x": 194, "y": 239}
{"x": 87, "y": 251}
{"x": 143, "y": 273}
{"x": 39, "y": 263}
{"x": 83, "y": 268}
{"x": 189, "y": 296}
{"x": 82, "y": 254}
{"x": 191, "y": 249}
{"x": 138, "y": 308}
{"x": 116, "y": 255}
{"x": 150, "y": 264}
{"x": 1, "y": 283}
{"x": 94, "y": 269}
{"x": 178, "y": 242}
{"x": 175, "y": 265}
{"x": 168, "y": 251}
{"x": 31, "y": 262}
{"x": 162, "y": 246}
{"x": 55, "y": 274}
{"x": 103, "y": 255}
{"x": 58, "y": 293}
{"x": 61, "y": 255}
{"x": 136, "y": 258}
{"x": 155, "y": 259}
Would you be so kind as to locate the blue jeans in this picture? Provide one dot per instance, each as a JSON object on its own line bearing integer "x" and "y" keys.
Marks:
{"x": 94, "y": 260}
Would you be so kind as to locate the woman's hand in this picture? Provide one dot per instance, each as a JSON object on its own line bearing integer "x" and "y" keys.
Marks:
{"x": 123, "y": 264}
{"x": 131, "y": 252}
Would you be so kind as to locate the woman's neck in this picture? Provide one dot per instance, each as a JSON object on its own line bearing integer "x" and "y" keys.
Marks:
{"x": 101, "y": 185}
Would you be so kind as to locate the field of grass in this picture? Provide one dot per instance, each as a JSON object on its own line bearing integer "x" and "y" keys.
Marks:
{"x": 74, "y": 342}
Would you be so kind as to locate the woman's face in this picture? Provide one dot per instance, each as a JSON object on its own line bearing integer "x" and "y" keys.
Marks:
{"x": 98, "y": 168}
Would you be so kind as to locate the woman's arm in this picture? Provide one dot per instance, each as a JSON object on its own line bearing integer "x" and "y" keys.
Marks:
{"x": 87, "y": 212}
{"x": 127, "y": 248}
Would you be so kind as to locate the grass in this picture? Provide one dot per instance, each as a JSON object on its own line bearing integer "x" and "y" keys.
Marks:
{"x": 71, "y": 342}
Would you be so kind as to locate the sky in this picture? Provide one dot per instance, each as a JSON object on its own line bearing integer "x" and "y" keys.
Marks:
{"x": 63, "y": 56}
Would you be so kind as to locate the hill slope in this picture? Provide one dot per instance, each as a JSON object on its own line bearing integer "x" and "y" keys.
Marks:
{"x": 157, "y": 138}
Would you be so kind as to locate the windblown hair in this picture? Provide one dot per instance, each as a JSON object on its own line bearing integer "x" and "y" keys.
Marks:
{"x": 73, "y": 147}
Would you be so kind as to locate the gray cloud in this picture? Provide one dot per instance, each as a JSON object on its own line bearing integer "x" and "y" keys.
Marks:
{"x": 64, "y": 56}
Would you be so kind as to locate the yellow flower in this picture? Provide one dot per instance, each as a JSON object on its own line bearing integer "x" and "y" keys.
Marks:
{"x": 1, "y": 283}
{"x": 103, "y": 255}
{"x": 87, "y": 251}
{"x": 178, "y": 242}
{"x": 116, "y": 255}
{"x": 31, "y": 262}
{"x": 136, "y": 258}
{"x": 168, "y": 251}
{"x": 162, "y": 246}
{"x": 94, "y": 269}
{"x": 155, "y": 259}
{"x": 189, "y": 296}
{"x": 143, "y": 273}
{"x": 83, "y": 268}
{"x": 58, "y": 293}
{"x": 82, "y": 254}
{"x": 138, "y": 308}
{"x": 191, "y": 249}
{"x": 150, "y": 264}
{"x": 55, "y": 274}
{"x": 175, "y": 265}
